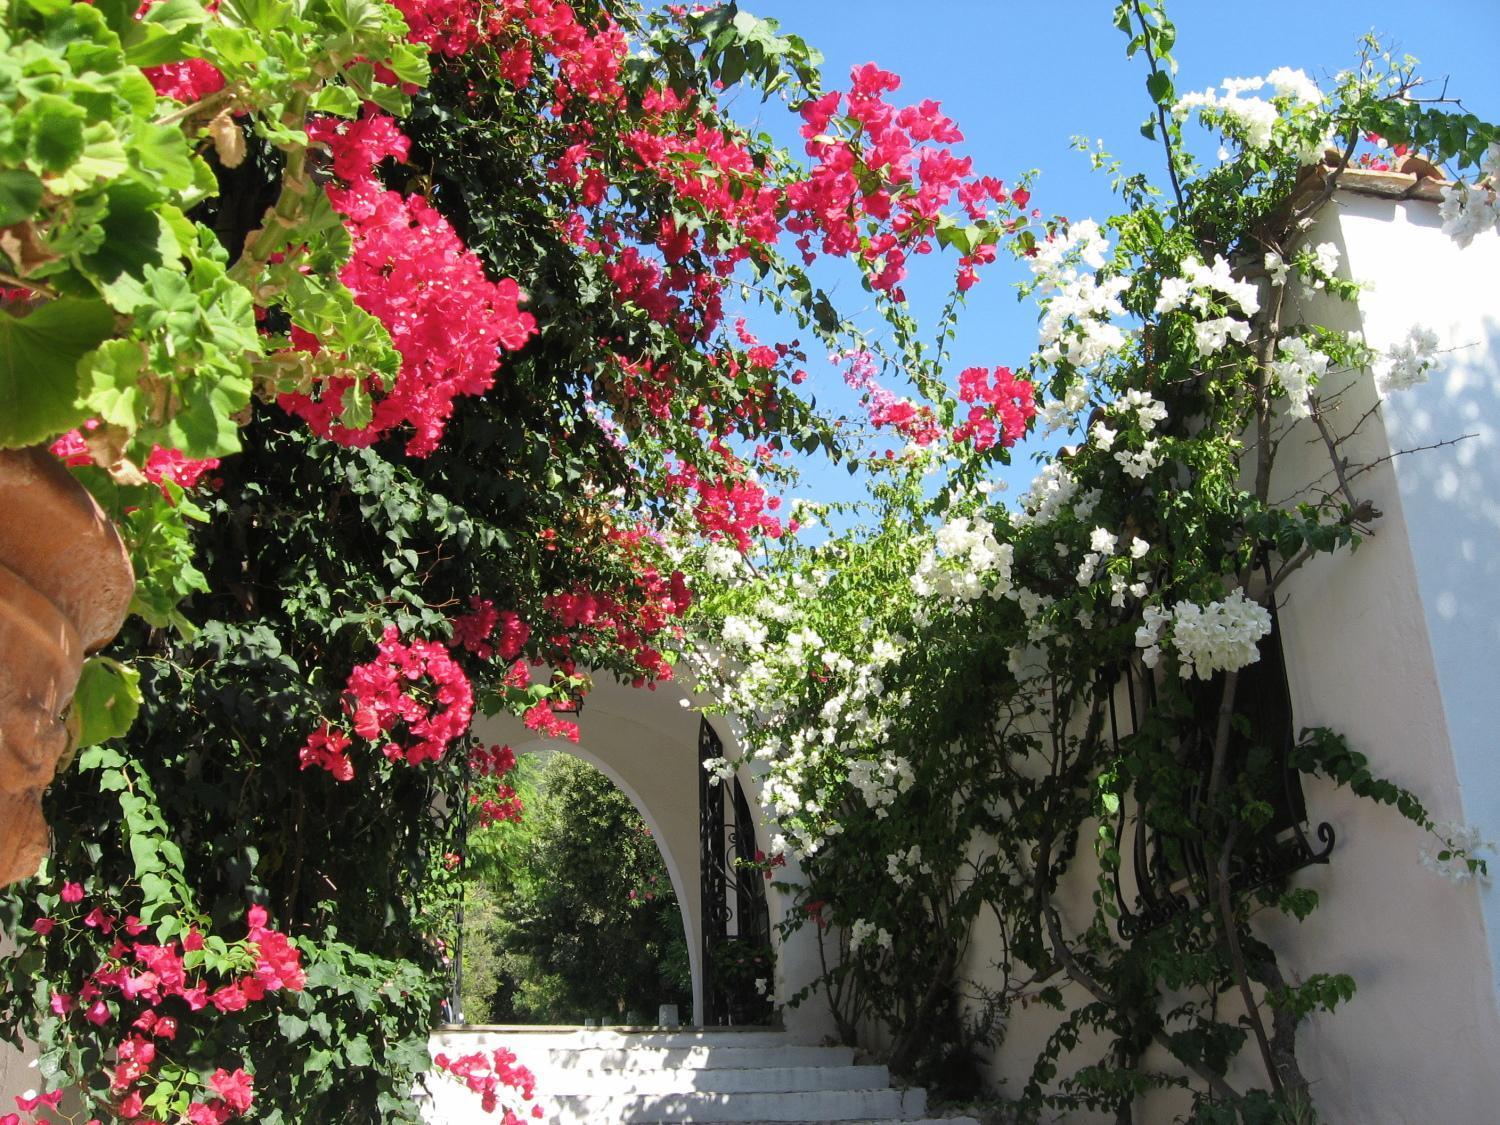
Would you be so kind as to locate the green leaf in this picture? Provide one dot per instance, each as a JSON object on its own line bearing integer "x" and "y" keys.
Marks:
{"x": 107, "y": 699}
{"x": 39, "y": 356}
{"x": 357, "y": 1052}
{"x": 163, "y": 151}
{"x": 338, "y": 100}
{"x": 176, "y": 15}
{"x": 205, "y": 426}
{"x": 1159, "y": 85}
{"x": 103, "y": 159}
{"x": 111, "y": 383}
{"x": 143, "y": 852}
{"x": 134, "y": 238}
{"x": 53, "y": 128}
{"x": 20, "y": 192}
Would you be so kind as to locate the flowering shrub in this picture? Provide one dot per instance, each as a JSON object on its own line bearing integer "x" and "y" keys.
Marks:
{"x": 486, "y": 1075}
{"x": 441, "y": 289}
{"x": 412, "y": 697}
{"x": 933, "y": 695}
{"x": 148, "y": 981}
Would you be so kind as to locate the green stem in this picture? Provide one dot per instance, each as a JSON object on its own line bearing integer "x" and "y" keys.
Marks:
{"x": 290, "y": 207}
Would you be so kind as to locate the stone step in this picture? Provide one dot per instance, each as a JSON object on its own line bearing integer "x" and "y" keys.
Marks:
{"x": 540, "y": 1057}
{"x": 637, "y": 1076}
{"x": 813, "y": 1105}
{"x": 610, "y": 1037}
{"x": 564, "y": 1080}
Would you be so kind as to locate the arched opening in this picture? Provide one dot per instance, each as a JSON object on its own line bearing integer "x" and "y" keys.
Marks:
{"x": 570, "y": 913}
{"x": 648, "y": 744}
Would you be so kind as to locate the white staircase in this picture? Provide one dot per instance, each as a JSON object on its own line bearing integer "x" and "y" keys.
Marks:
{"x": 607, "y": 1077}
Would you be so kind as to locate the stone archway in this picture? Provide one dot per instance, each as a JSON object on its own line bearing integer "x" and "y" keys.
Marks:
{"x": 646, "y": 742}
{"x": 634, "y": 739}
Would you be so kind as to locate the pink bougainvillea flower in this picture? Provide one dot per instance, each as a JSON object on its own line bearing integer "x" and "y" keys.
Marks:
{"x": 237, "y": 1088}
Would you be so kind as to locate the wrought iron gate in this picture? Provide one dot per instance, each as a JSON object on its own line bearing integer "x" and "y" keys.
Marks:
{"x": 736, "y": 923}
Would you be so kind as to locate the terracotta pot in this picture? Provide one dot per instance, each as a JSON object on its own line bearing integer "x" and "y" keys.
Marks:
{"x": 65, "y": 586}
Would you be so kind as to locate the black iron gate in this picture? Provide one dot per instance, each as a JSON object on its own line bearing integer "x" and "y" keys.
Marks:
{"x": 736, "y": 954}
{"x": 1166, "y": 858}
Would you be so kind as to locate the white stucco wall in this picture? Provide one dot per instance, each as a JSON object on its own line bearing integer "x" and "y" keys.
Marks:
{"x": 1397, "y": 646}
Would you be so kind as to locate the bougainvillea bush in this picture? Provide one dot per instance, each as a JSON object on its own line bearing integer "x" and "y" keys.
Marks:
{"x": 404, "y": 344}
{"x": 966, "y": 703}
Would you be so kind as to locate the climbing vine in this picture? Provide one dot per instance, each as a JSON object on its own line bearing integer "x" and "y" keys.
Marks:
{"x": 965, "y": 703}
{"x": 400, "y": 341}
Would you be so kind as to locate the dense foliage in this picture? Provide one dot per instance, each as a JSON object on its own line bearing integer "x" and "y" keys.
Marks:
{"x": 569, "y": 914}
{"x": 290, "y": 230}
{"x": 964, "y": 724}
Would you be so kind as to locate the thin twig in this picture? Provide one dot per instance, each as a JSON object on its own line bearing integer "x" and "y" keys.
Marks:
{"x": 1403, "y": 452}
{"x": 1339, "y": 463}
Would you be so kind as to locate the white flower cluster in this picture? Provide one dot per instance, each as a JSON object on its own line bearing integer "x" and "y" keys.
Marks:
{"x": 1198, "y": 283}
{"x": 1254, "y": 117}
{"x": 1297, "y": 368}
{"x": 1294, "y": 84}
{"x": 1051, "y": 490}
{"x": 1102, "y": 545}
{"x": 1405, "y": 364}
{"x": 1062, "y": 413}
{"x": 1077, "y": 306}
{"x": 744, "y": 632}
{"x": 1461, "y": 842}
{"x": 903, "y": 865}
{"x": 1211, "y": 336}
{"x": 965, "y": 563}
{"x": 862, "y": 932}
{"x": 881, "y": 781}
{"x": 1137, "y": 464}
{"x": 1321, "y": 264}
{"x": 723, "y": 561}
{"x": 718, "y": 769}
{"x": 1276, "y": 267}
{"x": 1218, "y": 637}
{"x": 1149, "y": 413}
{"x": 1082, "y": 241}
{"x": 1468, "y": 210}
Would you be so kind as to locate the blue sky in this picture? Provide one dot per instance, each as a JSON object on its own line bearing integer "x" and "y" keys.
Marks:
{"x": 1022, "y": 80}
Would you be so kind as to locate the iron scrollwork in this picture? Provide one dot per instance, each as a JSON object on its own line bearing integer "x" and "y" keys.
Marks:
{"x": 1167, "y": 854}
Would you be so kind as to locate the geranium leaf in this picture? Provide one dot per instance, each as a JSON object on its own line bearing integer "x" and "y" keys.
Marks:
{"x": 39, "y": 356}
{"x": 20, "y": 192}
